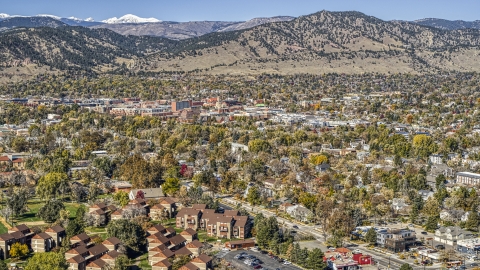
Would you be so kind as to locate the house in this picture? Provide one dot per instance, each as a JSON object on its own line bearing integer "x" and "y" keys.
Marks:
{"x": 194, "y": 247}
{"x": 57, "y": 233}
{"x": 240, "y": 244}
{"x": 80, "y": 239}
{"x": 97, "y": 251}
{"x": 77, "y": 262}
{"x": 162, "y": 265}
{"x": 189, "y": 234}
{"x": 299, "y": 213}
{"x": 98, "y": 264}
{"x": 189, "y": 266}
{"x": 468, "y": 246}
{"x": 425, "y": 194}
{"x": 148, "y": 193}
{"x": 398, "y": 204}
{"x": 112, "y": 243}
{"x": 156, "y": 229}
{"x": 468, "y": 178}
{"x": 188, "y": 218}
{"x": 450, "y": 235}
{"x": 6, "y": 241}
{"x": 42, "y": 242}
{"x": 110, "y": 257}
{"x": 203, "y": 262}
{"x": 396, "y": 240}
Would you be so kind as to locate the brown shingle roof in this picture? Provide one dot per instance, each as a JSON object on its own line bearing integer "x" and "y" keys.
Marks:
{"x": 158, "y": 206}
{"x": 98, "y": 249}
{"x": 188, "y": 211}
{"x": 81, "y": 237}
{"x": 77, "y": 259}
{"x": 6, "y": 237}
{"x": 78, "y": 250}
{"x": 20, "y": 228}
{"x": 166, "y": 253}
{"x": 177, "y": 240}
{"x": 17, "y": 235}
{"x": 189, "y": 266}
{"x": 164, "y": 263}
{"x": 189, "y": 231}
{"x": 167, "y": 200}
{"x": 231, "y": 213}
{"x": 42, "y": 235}
{"x": 112, "y": 241}
{"x": 111, "y": 255}
{"x": 55, "y": 229}
{"x": 157, "y": 228}
{"x": 241, "y": 221}
{"x": 202, "y": 259}
{"x": 158, "y": 248}
{"x": 194, "y": 244}
{"x": 201, "y": 206}
{"x": 97, "y": 263}
{"x": 183, "y": 251}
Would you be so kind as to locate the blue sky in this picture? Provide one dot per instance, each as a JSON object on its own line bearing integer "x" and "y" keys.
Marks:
{"x": 229, "y": 10}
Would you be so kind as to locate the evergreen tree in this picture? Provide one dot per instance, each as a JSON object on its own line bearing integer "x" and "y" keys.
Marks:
{"x": 371, "y": 236}
{"x": 473, "y": 220}
{"x": 432, "y": 223}
{"x": 315, "y": 259}
{"x": 406, "y": 266}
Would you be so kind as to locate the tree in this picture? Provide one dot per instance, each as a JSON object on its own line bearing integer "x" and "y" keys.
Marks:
{"x": 3, "y": 265}
{"x": 121, "y": 197}
{"x": 315, "y": 259}
{"x": 253, "y": 195}
{"x": 473, "y": 220}
{"x": 318, "y": 159}
{"x": 122, "y": 263}
{"x": 47, "y": 261}
{"x": 424, "y": 145}
{"x": 17, "y": 201}
{"x": 431, "y": 207}
{"x": 308, "y": 200}
{"x": 75, "y": 227}
{"x": 49, "y": 186}
{"x": 406, "y": 266}
{"x": 18, "y": 250}
{"x": 171, "y": 186}
{"x": 141, "y": 173}
{"x": 371, "y": 236}
{"x": 50, "y": 212}
{"x": 180, "y": 261}
{"x": 130, "y": 233}
{"x": 439, "y": 180}
{"x": 432, "y": 223}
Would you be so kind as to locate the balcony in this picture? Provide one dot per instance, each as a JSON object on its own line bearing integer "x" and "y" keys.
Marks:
{"x": 223, "y": 229}
{"x": 191, "y": 221}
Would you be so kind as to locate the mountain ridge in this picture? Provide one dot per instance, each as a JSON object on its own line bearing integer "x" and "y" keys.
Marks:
{"x": 322, "y": 42}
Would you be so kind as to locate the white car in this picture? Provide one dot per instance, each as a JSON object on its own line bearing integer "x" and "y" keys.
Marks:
{"x": 286, "y": 263}
{"x": 225, "y": 249}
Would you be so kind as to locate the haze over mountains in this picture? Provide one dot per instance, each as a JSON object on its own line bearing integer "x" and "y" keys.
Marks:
{"x": 342, "y": 42}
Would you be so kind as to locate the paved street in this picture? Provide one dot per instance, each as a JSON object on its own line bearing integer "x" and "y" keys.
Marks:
{"x": 267, "y": 261}
{"x": 382, "y": 258}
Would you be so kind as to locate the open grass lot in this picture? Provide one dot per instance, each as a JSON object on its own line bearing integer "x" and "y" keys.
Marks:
{"x": 3, "y": 229}
{"x": 35, "y": 204}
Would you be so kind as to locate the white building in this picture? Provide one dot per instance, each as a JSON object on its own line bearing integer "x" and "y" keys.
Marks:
{"x": 468, "y": 178}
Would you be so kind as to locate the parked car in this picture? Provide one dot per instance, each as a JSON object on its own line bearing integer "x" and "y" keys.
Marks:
{"x": 474, "y": 264}
{"x": 424, "y": 232}
{"x": 257, "y": 267}
{"x": 295, "y": 226}
{"x": 286, "y": 263}
{"x": 440, "y": 247}
{"x": 263, "y": 252}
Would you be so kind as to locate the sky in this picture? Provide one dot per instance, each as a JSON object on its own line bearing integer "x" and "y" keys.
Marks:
{"x": 240, "y": 10}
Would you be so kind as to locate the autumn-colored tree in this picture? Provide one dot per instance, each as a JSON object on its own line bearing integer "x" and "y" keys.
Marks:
{"x": 141, "y": 173}
{"x": 18, "y": 250}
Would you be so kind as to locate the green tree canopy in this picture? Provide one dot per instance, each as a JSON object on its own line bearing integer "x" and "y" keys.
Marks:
{"x": 50, "y": 212}
{"x": 47, "y": 261}
{"x": 49, "y": 186}
{"x": 130, "y": 233}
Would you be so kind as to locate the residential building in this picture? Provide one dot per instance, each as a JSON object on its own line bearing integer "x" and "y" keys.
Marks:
{"x": 396, "y": 240}
{"x": 468, "y": 178}
{"x": 42, "y": 242}
{"x": 450, "y": 235}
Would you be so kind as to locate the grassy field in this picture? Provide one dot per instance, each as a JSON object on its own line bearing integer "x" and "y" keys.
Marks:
{"x": 35, "y": 204}
{"x": 3, "y": 229}
{"x": 142, "y": 262}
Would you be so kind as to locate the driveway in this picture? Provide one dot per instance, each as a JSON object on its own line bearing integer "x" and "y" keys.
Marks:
{"x": 268, "y": 263}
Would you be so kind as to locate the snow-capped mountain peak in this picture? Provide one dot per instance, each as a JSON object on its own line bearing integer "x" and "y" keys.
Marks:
{"x": 89, "y": 19}
{"x": 49, "y": 16}
{"x": 130, "y": 18}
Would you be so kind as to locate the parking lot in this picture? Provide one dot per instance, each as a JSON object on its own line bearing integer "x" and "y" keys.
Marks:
{"x": 268, "y": 263}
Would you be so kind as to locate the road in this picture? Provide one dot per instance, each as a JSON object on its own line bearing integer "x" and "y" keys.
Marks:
{"x": 267, "y": 262}
{"x": 383, "y": 259}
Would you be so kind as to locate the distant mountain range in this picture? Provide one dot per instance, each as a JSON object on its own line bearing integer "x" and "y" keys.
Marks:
{"x": 449, "y": 25}
{"x": 323, "y": 42}
{"x": 130, "y": 24}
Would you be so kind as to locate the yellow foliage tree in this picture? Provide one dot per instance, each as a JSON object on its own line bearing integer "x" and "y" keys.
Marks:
{"x": 18, "y": 250}
{"x": 318, "y": 159}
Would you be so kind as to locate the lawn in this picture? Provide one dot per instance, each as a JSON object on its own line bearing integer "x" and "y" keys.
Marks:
{"x": 35, "y": 204}
{"x": 142, "y": 262}
{"x": 3, "y": 229}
